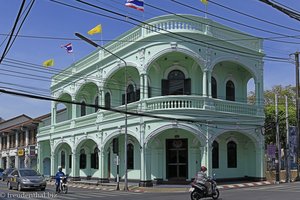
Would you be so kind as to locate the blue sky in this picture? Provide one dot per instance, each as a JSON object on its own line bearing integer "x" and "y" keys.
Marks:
{"x": 50, "y": 25}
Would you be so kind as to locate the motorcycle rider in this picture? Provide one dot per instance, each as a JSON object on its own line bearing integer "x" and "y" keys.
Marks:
{"x": 203, "y": 179}
{"x": 59, "y": 174}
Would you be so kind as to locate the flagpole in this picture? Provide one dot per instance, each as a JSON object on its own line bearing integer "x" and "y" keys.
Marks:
{"x": 205, "y": 13}
{"x": 73, "y": 56}
{"x": 101, "y": 39}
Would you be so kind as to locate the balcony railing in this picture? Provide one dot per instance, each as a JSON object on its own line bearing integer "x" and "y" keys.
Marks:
{"x": 174, "y": 104}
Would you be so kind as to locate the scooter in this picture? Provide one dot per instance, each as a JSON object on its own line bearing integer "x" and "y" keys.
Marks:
{"x": 63, "y": 187}
{"x": 199, "y": 191}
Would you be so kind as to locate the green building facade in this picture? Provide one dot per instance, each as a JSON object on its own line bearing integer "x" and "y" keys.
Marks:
{"x": 186, "y": 80}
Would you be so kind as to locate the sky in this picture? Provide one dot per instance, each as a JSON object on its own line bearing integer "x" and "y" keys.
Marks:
{"x": 49, "y": 25}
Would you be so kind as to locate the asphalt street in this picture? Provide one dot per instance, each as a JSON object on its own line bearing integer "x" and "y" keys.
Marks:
{"x": 284, "y": 191}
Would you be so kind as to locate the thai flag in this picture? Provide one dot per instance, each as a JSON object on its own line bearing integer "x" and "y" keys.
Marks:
{"x": 68, "y": 47}
{"x": 136, "y": 4}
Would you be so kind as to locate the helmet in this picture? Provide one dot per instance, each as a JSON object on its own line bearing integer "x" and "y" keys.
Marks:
{"x": 60, "y": 168}
{"x": 203, "y": 168}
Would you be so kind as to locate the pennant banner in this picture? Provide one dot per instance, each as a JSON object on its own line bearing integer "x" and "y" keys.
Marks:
{"x": 48, "y": 63}
{"x": 204, "y": 1}
{"x": 96, "y": 29}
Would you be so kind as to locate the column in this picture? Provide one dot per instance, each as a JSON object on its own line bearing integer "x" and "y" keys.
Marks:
{"x": 26, "y": 137}
{"x": 7, "y": 141}
{"x": 209, "y": 83}
{"x": 17, "y": 145}
{"x": 74, "y": 172}
{"x": 53, "y": 113}
{"x": 52, "y": 159}
{"x": 52, "y": 164}
{"x": 145, "y": 179}
{"x": 39, "y": 158}
{"x": 17, "y": 139}
{"x": 0, "y": 143}
{"x": 102, "y": 99}
{"x": 8, "y": 161}
{"x": 74, "y": 108}
{"x": 260, "y": 167}
{"x": 142, "y": 87}
{"x": 209, "y": 159}
{"x": 146, "y": 95}
{"x": 204, "y": 82}
{"x": 101, "y": 154}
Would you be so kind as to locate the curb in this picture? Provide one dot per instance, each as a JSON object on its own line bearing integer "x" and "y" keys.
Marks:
{"x": 137, "y": 189}
{"x": 244, "y": 185}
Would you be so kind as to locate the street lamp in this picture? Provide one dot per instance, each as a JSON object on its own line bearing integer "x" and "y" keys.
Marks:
{"x": 125, "y": 134}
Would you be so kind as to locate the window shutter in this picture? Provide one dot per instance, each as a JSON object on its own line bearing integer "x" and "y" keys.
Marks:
{"x": 92, "y": 160}
{"x": 137, "y": 95}
{"x": 149, "y": 92}
{"x": 187, "y": 86}
{"x": 164, "y": 87}
{"x": 123, "y": 99}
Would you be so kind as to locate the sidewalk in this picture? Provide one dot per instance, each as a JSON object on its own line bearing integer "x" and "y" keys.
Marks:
{"x": 133, "y": 187}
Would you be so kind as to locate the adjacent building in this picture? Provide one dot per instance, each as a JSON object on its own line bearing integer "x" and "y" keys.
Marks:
{"x": 18, "y": 142}
{"x": 183, "y": 81}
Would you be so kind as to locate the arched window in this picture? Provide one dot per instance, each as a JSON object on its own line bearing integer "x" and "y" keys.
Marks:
{"x": 230, "y": 91}
{"x": 231, "y": 154}
{"x": 82, "y": 161}
{"x": 176, "y": 84}
{"x": 107, "y": 100}
{"x": 132, "y": 94}
{"x": 215, "y": 154}
{"x": 96, "y": 103}
{"x": 130, "y": 156}
{"x": 95, "y": 159}
{"x": 83, "y": 109}
{"x": 63, "y": 159}
{"x": 214, "y": 88}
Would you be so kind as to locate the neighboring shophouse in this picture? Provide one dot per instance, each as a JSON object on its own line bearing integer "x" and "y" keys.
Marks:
{"x": 199, "y": 80}
{"x": 18, "y": 142}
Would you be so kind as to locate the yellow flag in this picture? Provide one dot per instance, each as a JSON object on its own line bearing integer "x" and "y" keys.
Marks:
{"x": 48, "y": 63}
{"x": 204, "y": 1}
{"x": 96, "y": 29}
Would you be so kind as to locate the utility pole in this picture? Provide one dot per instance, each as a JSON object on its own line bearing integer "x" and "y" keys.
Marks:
{"x": 297, "y": 112}
{"x": 287, "y": 145}
{"x": 125, "y": 84}
{"x": 277, "y": 159}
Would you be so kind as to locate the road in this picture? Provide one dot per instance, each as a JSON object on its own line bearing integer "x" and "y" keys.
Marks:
{"x": 289, "y": 191}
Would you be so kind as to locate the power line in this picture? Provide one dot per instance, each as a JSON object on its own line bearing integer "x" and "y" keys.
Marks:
{"x": 30, "y": 7}
{"x": 253, "y": 17}
{"x": 179, "y": 36}
{"x": 12, "y": 31}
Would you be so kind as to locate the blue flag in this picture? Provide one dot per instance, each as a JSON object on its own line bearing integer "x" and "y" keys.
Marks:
{"x": 136, "y": 4}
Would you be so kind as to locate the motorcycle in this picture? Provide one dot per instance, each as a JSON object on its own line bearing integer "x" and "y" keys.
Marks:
{"x": 199, "y": 191}
{"x": 63, "y": 185}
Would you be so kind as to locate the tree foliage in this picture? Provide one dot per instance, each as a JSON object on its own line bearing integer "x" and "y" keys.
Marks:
{"x": 270, "y": 121}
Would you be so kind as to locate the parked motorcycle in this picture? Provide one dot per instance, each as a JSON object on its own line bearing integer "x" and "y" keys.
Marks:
{"x": 199, "y": 191}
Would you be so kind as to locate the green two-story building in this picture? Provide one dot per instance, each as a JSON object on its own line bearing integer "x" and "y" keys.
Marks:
{"x": 183, "y": 82}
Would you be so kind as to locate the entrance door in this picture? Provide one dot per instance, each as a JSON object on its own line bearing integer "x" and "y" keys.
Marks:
{"x": 46, "y": 166}
{"x": 177, "y": 159}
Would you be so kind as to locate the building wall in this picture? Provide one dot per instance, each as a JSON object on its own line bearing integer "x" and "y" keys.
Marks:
{"x": 191, "y": 117}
